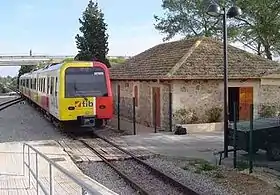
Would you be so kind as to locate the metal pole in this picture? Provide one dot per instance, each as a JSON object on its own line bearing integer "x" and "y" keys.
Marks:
{"x": 134, "y": 117}
{"x": 225, "y": 84}
{"x": 234, "y": 132}
{"x": 37, "y": 176}
{"x": 29, "y": 179}
{"x": 118, "y": 109}
{"x": 170, "y": 111}
{"x": 51, "y": 179}
{"x": 251, "y": 139}
{"x": 23, "y": 160}
{"x": 155, "y": 115}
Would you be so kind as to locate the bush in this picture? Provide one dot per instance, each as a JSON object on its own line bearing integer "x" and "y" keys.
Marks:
{"x": 268, "y": 111}
{"x": 214, "y": 114}
{"x": 184, "y": 116}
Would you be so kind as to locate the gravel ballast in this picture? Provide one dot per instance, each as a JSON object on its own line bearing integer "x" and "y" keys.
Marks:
{"x": 106, "y": 176}
{"x": 197, "y": 182}
{"x": 146, "y": 179}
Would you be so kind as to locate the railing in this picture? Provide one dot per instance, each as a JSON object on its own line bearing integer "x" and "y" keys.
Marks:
{"x": 86, "y": 189}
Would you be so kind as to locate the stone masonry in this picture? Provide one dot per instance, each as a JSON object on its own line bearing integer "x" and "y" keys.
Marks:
{"x": 199, "y": 95}
{"x": 144, "y": 110}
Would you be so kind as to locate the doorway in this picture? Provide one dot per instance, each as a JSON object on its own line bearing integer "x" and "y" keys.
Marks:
{"x": 233, "y": 97}
{"x": 243, "y": 96}
{"x": 156, "y": 106}
{"x": 245, "y": 101}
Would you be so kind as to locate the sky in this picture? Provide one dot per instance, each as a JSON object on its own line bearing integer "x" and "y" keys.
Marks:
{"x": 48, "y": 27}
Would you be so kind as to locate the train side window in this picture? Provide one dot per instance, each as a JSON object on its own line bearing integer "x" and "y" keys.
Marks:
{"x": 55, "y": 90}
{"x": 48, "y": 85}
{"x": 39, "y": 84}
{"x": 51, "y": 88}
{"x": 27, "y": 83}
{"x": 44, "y": 85}
{"x": 35, "y": 83}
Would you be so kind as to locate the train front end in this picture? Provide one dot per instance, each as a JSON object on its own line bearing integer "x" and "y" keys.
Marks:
{"x": 87, "y": 96}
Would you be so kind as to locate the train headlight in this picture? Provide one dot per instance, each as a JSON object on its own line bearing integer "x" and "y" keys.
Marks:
{"x": 71, "y": 108}
{"x": 102, "y": 106}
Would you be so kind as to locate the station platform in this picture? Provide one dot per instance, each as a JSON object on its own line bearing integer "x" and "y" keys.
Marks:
{"x": 14, "y": 178}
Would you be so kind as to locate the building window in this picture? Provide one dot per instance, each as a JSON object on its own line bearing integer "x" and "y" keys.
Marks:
{"x": 135, "y": 91}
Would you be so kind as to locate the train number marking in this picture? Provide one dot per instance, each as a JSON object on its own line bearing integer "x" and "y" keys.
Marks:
{"x": 83, "y": 104}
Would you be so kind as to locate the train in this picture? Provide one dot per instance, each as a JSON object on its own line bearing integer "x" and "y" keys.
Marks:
{"x": 77, "y": 91}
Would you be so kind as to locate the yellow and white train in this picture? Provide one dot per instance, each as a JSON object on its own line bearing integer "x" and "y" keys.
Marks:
{"x": 71, "y": 91}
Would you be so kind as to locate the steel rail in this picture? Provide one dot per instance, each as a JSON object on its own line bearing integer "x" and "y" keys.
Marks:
{"x": 178, "y": 184}
{"x": 121, "y": 173}
{"x": 11, "y": 104}
{"x": 10, "y": 101}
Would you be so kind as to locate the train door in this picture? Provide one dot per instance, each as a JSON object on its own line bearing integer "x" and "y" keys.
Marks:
{"x": 51, "y": 95}
{"x": 56, "y": 94}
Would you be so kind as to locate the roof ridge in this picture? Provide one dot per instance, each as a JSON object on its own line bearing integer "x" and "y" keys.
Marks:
{"x": 184, "y": 58}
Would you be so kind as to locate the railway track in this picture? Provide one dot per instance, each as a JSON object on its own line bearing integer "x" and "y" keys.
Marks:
{"x": 144, "y": 178}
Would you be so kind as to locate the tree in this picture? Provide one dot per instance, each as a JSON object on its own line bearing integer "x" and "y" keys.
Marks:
{"x": 93, "y": 43}
{"x": 118, "y": 60}
{"x": 24, "y": 69}
{"x": 259, "y": 25}
{"x": 257, "y": 28}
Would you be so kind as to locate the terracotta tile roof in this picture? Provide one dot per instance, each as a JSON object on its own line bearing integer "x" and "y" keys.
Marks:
{"x": 196, "y": 58}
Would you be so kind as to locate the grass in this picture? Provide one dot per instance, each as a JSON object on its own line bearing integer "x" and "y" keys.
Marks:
{"x": 201, "y": 165}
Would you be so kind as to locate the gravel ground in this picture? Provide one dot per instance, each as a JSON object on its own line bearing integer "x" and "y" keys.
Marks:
{"x": 21, "y": 122}
{"x": 197, "y": 182}
{"x": 105, "y": 175}
{"x": 217, "y": 181}
{"x": 145, "y": 178}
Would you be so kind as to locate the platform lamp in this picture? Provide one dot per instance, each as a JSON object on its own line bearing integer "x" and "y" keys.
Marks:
{"x": 214, "y": 10}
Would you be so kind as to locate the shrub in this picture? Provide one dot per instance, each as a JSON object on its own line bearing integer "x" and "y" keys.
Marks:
{"x": 268, "y": 110}
{"x": 214, "y": 114}
{"x": 184, "y": 116}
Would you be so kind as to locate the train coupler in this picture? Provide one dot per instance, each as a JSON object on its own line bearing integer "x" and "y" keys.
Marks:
{"x": 87, "y": 121}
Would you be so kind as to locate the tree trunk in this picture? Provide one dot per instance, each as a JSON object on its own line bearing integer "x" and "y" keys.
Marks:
{"x": 267, "y": 52}
{"x": 259, "y": 49}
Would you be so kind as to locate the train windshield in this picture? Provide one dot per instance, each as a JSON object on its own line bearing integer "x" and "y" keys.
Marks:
{"x": 84, "y": 82}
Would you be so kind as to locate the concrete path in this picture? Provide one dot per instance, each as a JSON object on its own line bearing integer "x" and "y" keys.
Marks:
{"x": 187, "y": 146}
{"x": 20, "y": 124}
{"x": 14, "y": 179}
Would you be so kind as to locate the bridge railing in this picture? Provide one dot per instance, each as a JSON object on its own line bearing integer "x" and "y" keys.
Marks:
{"x": 86, "y": 189}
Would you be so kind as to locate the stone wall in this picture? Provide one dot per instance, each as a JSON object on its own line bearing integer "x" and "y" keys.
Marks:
{"x": 198, "y": 95}
{"x": 270, "y": 91}
{"x": 203, "y": 95}
{"x": 144, "y": 113}
{"x": 270, "y": 94}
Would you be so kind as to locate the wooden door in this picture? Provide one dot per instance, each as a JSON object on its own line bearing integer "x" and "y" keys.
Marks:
{"x": 156, "y": 106}
{"x": 245, "y": 100}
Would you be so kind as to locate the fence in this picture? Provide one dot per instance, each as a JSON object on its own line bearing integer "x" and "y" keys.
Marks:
{"x": 86, "y": 189}
{"x": 151, "y": 114}
{"x": 255, "y": 127}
